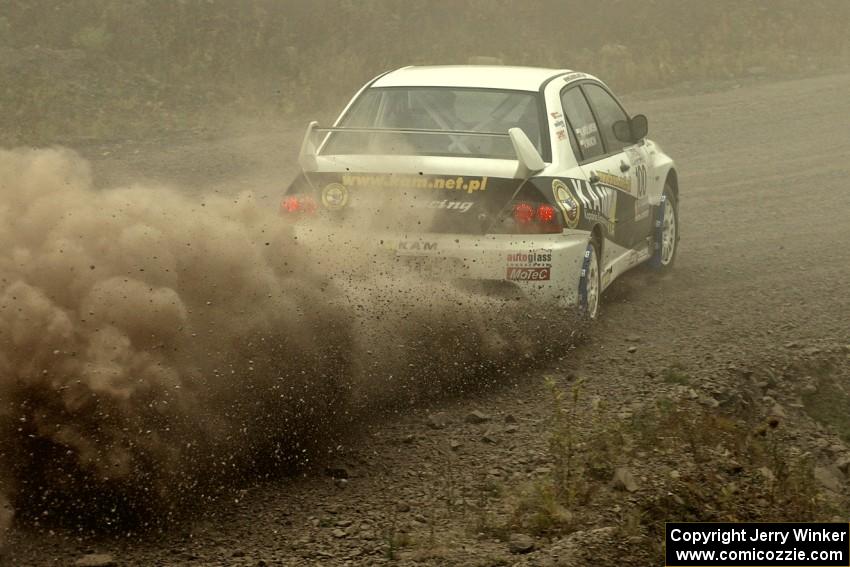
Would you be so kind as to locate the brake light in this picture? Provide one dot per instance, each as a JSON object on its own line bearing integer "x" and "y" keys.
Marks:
{"x": 523, "y": 213}
{"x": 297, "y": 204}
{"x": 536, "y": 218}
{"x": 289, "y": 205}
{"x": 546, "y": 214}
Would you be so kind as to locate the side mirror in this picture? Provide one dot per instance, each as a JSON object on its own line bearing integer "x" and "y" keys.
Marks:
{"x": 631, "y": 131}
{"x": 622, "y": 131}
{"x": 526, "y": 154}
{"x": 639, "y": 126}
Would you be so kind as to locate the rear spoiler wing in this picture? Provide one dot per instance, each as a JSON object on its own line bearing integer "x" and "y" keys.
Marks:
{"x": 528, "y": 158}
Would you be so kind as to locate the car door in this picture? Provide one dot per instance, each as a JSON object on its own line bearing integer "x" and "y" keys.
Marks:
{"x": 624, "y": 168}
{"x": 598, "y": 194}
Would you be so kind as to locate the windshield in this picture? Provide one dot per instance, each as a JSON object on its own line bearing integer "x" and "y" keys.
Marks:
{"x": 438, "y": 108}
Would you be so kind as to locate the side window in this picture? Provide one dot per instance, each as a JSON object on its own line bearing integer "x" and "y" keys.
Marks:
{"x": 607, "y": 112}
{"x": 581, "y": 122}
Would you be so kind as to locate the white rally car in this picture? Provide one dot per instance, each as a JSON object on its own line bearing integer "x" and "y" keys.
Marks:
{"x": 528, "y": 179}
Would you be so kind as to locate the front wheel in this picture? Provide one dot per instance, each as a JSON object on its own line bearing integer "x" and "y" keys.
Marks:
{"x": 589, "y": 283}
{"x": 666, "y": 231}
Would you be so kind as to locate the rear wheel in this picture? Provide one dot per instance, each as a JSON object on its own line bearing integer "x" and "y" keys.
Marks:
{"x": 666, "y": 231}
{"x": 589, "y": 283}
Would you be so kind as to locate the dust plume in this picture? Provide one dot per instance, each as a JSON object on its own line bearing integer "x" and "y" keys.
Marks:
{"x": 153, "y": 344}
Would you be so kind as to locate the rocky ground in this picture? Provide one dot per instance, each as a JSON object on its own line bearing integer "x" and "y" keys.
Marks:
{"x": 719, "y": 392}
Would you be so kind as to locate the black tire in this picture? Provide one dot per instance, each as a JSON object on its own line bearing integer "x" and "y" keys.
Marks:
{"x": 590, "y": 283}
{"x": 666, "y": 231}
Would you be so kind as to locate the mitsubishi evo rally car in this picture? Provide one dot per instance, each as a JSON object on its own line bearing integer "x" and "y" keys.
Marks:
{"x": 532, "y": 180}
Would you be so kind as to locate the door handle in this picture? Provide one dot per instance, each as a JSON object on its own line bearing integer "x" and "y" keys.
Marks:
{"x": 624, "y": 167}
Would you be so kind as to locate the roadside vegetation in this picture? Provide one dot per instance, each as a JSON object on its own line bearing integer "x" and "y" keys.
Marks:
{"x": 708, "y": 466}
{"x": 609, "y": 479}
{"x": 103, "y": 69}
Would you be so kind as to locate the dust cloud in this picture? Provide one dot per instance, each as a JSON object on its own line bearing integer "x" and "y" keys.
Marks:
{"x": 155, "y": 346}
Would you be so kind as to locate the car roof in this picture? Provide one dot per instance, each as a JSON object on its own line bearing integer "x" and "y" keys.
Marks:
{"x": 480, "y": 76}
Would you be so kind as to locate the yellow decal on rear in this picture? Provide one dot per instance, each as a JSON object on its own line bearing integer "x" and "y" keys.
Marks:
{"x": 460, "y": 183}
{"x": 334, "y": 196}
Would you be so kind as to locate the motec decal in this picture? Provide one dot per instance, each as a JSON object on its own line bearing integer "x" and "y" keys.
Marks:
{"x": 334, "y": 196}
{"x": 528, "y": 274}
{"x": 568, "y": 204}
{"x": 615, "y": 181}
{"x": 530, "y": 266}
{"x": 460, "y": 183}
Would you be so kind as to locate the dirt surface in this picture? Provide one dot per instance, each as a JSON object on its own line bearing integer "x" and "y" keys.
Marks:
{"x": 754, "y": 311}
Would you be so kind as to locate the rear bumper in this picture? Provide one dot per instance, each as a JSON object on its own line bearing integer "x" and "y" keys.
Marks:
{"x": 539, "y": 267}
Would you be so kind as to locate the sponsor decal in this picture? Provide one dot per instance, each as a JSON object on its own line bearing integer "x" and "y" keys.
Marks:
{"x": 568, "y": 204}
{"x": 460, "y": 183}
{"x": 562, "y": 135}
{"x": 533, "y": 265}
{"x": 334, "y": 196}
{"x": 599, "y": 203}
{"x": 528, "y": 274}
{"x": 416, "y": 246}
{"x": 635, "y": 157}
{"x": 541, "y": 257}
{"x": 639, "y": 172}
{"x": 588, "y": 142}
{"x": 640, "y": 178}
{"x": 574, "y": 76}
{"x": 461, "y": 206}
{"x": 559, "y": 124}
{"x": 556, "y": 115}
{"x": 586, "y": 135}
{"x": 615, "y": 181}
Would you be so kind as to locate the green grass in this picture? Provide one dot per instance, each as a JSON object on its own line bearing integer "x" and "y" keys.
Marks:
{"x": 675, "y": 375}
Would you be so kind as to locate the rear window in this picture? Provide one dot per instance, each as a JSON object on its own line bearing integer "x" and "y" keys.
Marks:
{"x": 438, "y": 108}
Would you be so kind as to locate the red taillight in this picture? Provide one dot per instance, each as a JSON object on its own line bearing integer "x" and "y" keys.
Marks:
{"x": 297, "y": 204}
{"x": 546, "y": 213}
{"x": 536, "y": 218}
{"x": 289, "y": 205}
{"x": 523, "y": 213}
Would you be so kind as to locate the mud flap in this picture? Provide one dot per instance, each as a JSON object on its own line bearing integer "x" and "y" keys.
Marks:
{"x": 658, "y": 229}
{"x": 582, "y": 282}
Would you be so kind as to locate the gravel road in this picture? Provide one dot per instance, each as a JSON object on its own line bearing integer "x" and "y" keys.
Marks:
{"x": 760, "y": 287}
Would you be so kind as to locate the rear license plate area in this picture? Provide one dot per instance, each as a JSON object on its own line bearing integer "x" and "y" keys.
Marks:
{"x": 430, "y": 266}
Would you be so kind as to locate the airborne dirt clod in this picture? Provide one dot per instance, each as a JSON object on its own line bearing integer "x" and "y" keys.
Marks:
{"x": 733, "y": 405}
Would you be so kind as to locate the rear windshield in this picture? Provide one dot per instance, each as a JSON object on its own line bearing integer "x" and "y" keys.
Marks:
{"x": 438, "y": 108}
